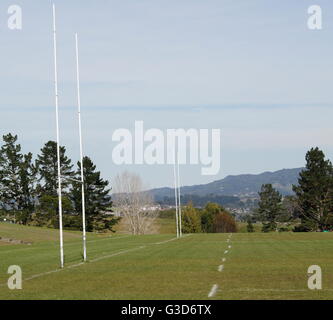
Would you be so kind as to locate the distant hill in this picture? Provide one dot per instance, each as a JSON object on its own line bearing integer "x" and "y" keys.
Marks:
{"x": 241, "y": 186}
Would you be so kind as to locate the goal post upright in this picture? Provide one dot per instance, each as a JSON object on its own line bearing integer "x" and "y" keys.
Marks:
{"x": 58, "y": 136}
{"x": 179, "y": 203}
{"x": 176, "y": 194}
{"x": 81, "y": 148}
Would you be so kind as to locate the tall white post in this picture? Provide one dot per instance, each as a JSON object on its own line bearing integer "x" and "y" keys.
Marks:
{"x": 58, "y": 142}
{"x": 179, "y": 203}
{"x": 81, "y": 148}
{"x": 176, "y": 196}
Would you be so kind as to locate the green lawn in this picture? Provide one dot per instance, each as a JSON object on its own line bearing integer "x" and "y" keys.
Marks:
{"x": 258, "y": 266}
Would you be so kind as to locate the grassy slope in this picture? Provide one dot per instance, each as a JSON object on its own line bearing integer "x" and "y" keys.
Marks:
{"x": 33, "y": 234}
{"x": 259, "y": 266}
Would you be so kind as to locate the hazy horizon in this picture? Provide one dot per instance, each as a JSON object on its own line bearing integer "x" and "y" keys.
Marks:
{"x": 253, "y": 70}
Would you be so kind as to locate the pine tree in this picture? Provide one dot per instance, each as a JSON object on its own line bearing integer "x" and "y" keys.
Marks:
{"x": 10, "y": 160}
{"x": 269, "y": 207}
{"x": 97, "y": 198}
{"x": 17, "y": 179}
{"x": 47, "y": 212}
{"x": 48, "y": 169}
{"x": 315, "y": 192}
{"x": 47, "y": 190}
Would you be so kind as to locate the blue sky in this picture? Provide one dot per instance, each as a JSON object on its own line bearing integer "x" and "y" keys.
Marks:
{"x": 250, "y": 68}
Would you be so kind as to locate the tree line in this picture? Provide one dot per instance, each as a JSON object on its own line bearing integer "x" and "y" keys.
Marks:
{"x": 310, "y": 209}
{"x": 202, "y": 200}
{"x": 213, "y": 218}
{"x": 29, "y": 189}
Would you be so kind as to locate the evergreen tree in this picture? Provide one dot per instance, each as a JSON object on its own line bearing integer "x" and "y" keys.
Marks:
{"x": 10, "y": 161}
{"x": 249, "y": 226}
{"x": 17, "y": 180}
{"x": 207, "y": 221}
{"x": 290, "y": 208}
{"x": 207, "y": 217}
{"x": 97, "y": 198}
{"x": 315, "y": 192}
{"x": 47, "y": 164}
{"x": 269, "y": 207}
{"x": 48, "y": 169}
{"x": 47, "y": 212}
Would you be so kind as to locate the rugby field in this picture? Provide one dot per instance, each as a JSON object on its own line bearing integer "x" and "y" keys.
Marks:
{"x": 241, "y": 266}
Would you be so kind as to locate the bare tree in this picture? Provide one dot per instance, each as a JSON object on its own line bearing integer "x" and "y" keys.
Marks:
{"x": 134, "y": 203}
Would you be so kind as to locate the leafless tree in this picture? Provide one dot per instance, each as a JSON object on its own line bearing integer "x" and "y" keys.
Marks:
{"x": 134, "y": 203}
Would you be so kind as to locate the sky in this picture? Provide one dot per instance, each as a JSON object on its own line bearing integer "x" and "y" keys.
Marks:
{"x": 252, "y": 69}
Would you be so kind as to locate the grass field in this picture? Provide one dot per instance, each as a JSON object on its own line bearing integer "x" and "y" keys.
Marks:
{"x": 257, "y": 266}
